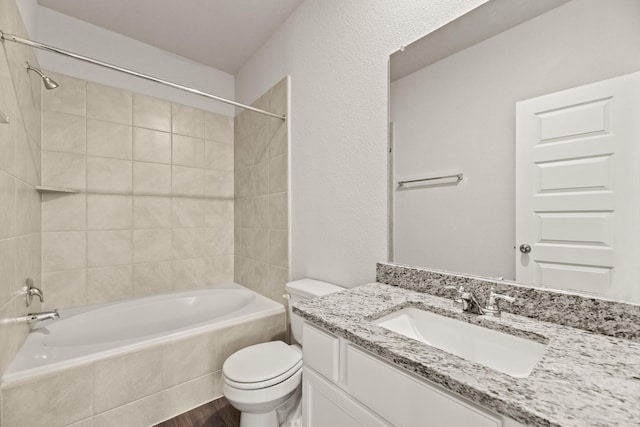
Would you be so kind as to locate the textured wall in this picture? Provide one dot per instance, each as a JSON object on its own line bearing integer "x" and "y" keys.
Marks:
{"x": 154, "y": 211}
{"x": 337, "y": 54}
{"x": 261, "y": 196}
{"x": 19, "y": 174}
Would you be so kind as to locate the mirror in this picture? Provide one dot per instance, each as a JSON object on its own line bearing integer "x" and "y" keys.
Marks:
{"x": 453, "y": 97}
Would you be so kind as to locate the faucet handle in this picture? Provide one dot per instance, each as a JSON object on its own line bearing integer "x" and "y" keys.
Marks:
{"x": 493, "y": 302}
{"x": 30, "y": 291}
{"x": 457, "y": 300}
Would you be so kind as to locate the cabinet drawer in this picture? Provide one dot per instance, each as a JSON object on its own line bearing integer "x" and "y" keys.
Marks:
{"x": 406, "y": 401}
{"x": 320, "y": 351}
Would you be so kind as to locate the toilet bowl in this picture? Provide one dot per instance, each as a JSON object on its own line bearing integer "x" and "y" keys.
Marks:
{"x": 260, "y": 378}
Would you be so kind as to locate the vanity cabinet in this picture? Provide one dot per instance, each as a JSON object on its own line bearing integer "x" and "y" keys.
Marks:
{"x": 345, "y": 385}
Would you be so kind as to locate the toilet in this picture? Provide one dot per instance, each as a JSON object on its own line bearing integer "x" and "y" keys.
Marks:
{"x": 260, "y": 378}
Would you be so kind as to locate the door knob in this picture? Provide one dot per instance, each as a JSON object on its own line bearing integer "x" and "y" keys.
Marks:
{"x": 524, "y": 248}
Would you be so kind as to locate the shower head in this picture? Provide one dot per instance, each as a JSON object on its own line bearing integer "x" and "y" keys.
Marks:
{"x": 48, "y": 82}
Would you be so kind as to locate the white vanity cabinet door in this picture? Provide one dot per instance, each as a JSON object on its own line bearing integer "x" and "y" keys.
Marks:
{"x": 406, "y": 401}
{"x": 325, "y": 405}
{"x": 321, "y": 351}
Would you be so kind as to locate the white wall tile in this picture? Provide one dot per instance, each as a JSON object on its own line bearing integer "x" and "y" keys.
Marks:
{"x": 62, "y": 211}
{"x": 109, "y": 212}
{"x": 63, "y": 250}
{"x": 187, "y": 151}
{"x": 152, "y": 278}
{"x": 187, "y": 181}
{"x": 189, "y": 243}
{"x": 8, "y": 203}
{"x": 219, "y": 184}
{"x": 188, "y": 212}
{"x": 109, "y": 175}
{"x": 106, "y": 248}
{"x": 187, "y": 121}
{"x": 278, "y": 248}
{"x": 278, "y": 211}
{"x": 109, "y": 103}
{"x": 220, "y": 269}
{"x": 260, "y": 178}
{"x": 219, "y": 212}
{"x": 67, "y": 399}
{"x": 109, "y": 283}
{"x": 219, "y": 241}
{"x": 278, "y": 174}
{"x": 197, "y": 392}
{"x": 151, "y": 212}
{"x": 7, "y": 270}
{"x": 106, "y": 139}
{"x": 123, "y": 379}
{"x": 152, "y": 245}
{"x": 151, "y": 178}
{"x": 218, "y": 128}
{"x": 219, "y": 155}
{"x": 151, "y": 146}
{"x": 189, "y": 358}
{"x": 151, "y": 113}
{"x": 63, "y": 170}
{"x": 65, "y": 289}
{"x": 63, "y": 132}
{"x": 140, "y": 413}
{"x": 189, "y": 274}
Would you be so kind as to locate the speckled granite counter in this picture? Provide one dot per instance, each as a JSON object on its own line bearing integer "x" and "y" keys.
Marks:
{"x": 583, "y": 379}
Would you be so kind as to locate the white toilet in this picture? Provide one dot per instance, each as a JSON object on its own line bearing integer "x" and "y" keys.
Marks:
{"x": 260, "y": 378}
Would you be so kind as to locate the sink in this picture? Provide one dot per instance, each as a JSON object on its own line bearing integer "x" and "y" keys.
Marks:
{"x": 512, "y": 355}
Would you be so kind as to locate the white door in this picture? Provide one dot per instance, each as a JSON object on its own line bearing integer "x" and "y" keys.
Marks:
{"x": 577, "y": 189}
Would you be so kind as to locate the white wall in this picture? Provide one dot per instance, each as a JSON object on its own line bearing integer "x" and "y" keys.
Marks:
{"x": 80, "y": 37}
{"x": 459, "y": 115}
{"x": 337, "y": 54}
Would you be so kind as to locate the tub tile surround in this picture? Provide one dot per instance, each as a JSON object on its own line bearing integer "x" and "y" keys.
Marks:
{"x": 153, "y": 215}
{"x": 616, "y": 319}
{"x": 261, "y": 196}
{"x": 20, "y": 142}
{"x": 584, "y": 377}
{"x": 137, "y": 388}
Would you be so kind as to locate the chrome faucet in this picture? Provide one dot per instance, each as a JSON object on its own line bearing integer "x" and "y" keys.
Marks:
{"x": 469, "y": 303}
{"x": 31, "y": 291}
{"x": 38, "y": 317}
{"x": 465, "y": 300}
{"x": 493, "y": 303}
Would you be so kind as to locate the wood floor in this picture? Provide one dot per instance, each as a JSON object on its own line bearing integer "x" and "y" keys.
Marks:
{"x": 218, "y": 413}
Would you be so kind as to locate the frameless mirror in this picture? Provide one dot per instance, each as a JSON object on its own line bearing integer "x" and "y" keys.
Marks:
{"x": 513, "y": 142}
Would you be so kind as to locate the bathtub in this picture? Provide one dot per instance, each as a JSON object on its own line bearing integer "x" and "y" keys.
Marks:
{"x": 91, "y": 333}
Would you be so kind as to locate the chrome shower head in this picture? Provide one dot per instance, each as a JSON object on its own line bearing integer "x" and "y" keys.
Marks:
{"x": 46, "y": 80}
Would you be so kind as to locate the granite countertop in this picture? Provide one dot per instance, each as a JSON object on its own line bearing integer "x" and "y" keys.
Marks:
{"x": 583, "y": 378}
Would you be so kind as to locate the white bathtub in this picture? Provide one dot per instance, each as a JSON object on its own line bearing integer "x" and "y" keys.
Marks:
{"x": 92, "y": 333}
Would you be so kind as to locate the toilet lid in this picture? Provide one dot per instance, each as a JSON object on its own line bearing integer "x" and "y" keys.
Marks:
{"x": 262, "y": 363}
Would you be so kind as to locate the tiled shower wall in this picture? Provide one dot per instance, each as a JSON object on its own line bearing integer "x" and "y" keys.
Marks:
{"x": 261, "y": 196}
{"x": 19, "y": 175}
{"x": 154, "y": 207}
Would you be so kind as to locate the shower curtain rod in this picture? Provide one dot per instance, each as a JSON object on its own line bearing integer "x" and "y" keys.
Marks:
{"x": 13, "y": 38}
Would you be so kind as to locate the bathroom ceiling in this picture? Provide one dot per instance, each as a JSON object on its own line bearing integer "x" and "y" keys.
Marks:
{"x": 220, "y": 33}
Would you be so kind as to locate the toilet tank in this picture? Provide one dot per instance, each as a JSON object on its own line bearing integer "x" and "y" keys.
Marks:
{"x": 302, "y": 289}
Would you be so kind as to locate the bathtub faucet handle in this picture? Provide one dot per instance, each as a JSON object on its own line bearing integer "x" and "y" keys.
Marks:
{"x": 31, "y": 291}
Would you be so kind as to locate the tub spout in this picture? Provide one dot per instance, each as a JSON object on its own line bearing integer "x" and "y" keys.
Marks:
{"x": 45, "y": 315}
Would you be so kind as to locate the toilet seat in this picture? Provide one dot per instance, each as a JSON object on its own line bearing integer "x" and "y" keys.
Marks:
{"x": 261, "y": 365}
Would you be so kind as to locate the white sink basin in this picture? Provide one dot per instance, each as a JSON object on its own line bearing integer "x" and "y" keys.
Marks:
{"x": 506, "y": 353}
